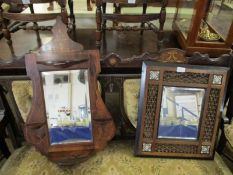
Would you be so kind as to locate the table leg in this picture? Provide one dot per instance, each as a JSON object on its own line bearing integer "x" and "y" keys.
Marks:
{"x": 71, "y": 7}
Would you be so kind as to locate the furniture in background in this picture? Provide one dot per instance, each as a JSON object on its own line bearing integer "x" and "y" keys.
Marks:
{"x": 8, "y": 127}
{"x": 225, "y": 145}
{"x": 200, "y": 27}
{"x": 228, "y": 146}
{"x": 5, "y": 7}
{"x": 145, "y": 19}
{"x": 3, "y": 122}
{"x": 118, "y": 155}
{"x": 29, "y": 17}
{"x": 118, "y": 7}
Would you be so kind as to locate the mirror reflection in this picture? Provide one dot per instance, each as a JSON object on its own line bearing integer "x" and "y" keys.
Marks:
{"x": 67, "y": 103}
{"x": 180, "y": 112}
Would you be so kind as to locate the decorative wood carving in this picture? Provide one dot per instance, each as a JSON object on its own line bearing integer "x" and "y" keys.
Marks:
{"x": 166, "y": 55}
{"x": 152, "y": 139}
{"x": 170, "y": 55}
{"x": 117, "y": 64}
{"x": 63, "y": 54}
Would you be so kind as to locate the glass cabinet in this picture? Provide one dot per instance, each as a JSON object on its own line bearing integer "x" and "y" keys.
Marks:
{"x": 205, "y": 26}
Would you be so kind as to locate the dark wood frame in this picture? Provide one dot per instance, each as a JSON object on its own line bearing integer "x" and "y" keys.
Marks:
{"x": 192, "y": 44}
{"x": 65, "y": 55}
{"x": 147, "y": 143}
{"x": 116, "y": 70}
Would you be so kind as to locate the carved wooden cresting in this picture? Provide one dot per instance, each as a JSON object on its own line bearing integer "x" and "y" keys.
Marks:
{"x": 59, "y": 54}
{"x": 131, "y": 66}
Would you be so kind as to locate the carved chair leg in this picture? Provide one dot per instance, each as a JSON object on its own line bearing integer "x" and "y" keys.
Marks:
{"x": 104, "y": 21}
{"x": 6, "y": 31}
{"x": 37, "y": 34}
{"x": 117, "y": 10}
{"x": 7, "y": 36}
{"x": 98, "y": 24}
{"x": 35, "y": 25}
{"x": 161, "y": 23}
{"x": 72, "y": 17}
{"x": 144, "y": 8}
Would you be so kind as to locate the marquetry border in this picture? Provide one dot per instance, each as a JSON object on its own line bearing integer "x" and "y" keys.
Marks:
{"x": 157, "y": 75}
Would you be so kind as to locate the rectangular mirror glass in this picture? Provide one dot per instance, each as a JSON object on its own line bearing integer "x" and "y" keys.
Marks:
{"x": 180, "y": 112}
{"x": 67, "y": 103}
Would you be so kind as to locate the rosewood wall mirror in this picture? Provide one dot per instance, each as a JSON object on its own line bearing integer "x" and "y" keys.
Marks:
{"x": 179, "y": 110}
{"x": 68, "y": 120}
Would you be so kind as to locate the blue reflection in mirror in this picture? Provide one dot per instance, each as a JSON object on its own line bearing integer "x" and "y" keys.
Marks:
{"x": 67, "y": 104}
{"x": 180, "y": 113}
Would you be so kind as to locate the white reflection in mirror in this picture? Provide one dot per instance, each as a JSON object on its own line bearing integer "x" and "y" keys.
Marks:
{"x": 67, "y": 104}
{"x": 180, "y": 112}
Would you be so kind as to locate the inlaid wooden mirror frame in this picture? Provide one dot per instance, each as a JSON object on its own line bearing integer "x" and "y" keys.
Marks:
{"x": 58, "y": 55}
{"x": 178, "y": 80}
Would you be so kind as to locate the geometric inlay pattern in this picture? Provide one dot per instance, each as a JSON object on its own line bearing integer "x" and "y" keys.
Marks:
{"x": 176, "y": 148}
{"x": 217, "y": 79}
{"x": 205, "y": 149}
{"x": 186, "y": 77}
{"x": 146, "y": 147}
{"x": 151, "y": 102}
{"x": 154, "y": 75}
{"x": 211, "y": 114}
